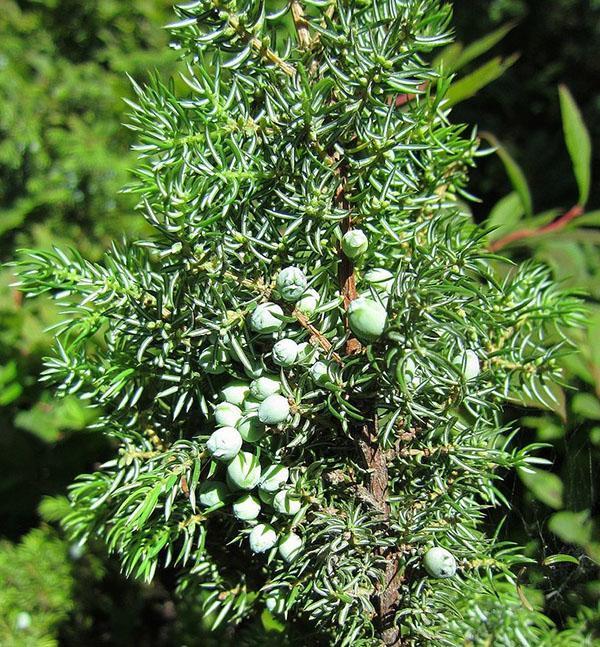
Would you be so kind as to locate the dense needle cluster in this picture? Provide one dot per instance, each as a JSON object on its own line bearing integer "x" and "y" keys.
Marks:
{"x": 304, "y": 366}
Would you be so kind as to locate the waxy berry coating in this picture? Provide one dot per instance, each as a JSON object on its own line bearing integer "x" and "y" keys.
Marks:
{"x": 244, "y": 471}
{"x": 273, "y": 410}
{"x": 262, "y": 538}
{"x": 367, "y": 319}
{"x": 355, "y": 243}
{"x": 267, "y": 318}
{"x": 439, "y": 563}
{"x": 290, "y": 546}
{"x": 224, "y": 443}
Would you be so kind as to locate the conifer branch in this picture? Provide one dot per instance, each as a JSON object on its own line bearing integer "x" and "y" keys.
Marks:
{"x": 346, "y": 489}
{"x": 260, "y": 47}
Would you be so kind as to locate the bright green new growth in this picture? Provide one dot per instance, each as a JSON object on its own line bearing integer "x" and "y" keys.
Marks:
{"x": 289, "y": 137}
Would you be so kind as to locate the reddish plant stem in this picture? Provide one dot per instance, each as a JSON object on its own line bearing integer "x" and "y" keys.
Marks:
{"x": 521, "y": 234}
{"x": 403, "y": 99}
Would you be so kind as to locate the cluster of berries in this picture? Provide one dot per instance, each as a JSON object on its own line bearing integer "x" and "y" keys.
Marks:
{"x": 247, "y": 410}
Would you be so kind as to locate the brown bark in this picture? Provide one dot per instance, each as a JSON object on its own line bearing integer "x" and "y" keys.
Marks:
{"x": 373, "y": 456}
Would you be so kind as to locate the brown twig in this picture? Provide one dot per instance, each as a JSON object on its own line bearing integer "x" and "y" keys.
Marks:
{"x": 521, "y": 234}
{"x": 300, "y": 24}
{"x": 372, "y": 454}
{"x": 402, "y": 99}
{"x": 346, "y": 276}
{"x": 323, "y": 342}
{"x": 258, "y": 45}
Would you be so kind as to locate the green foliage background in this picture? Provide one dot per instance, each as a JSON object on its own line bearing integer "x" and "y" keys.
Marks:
{"x": 63, "y": 160}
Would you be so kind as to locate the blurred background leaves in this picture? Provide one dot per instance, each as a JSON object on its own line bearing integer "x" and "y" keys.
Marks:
{"x": 63, "y": 162}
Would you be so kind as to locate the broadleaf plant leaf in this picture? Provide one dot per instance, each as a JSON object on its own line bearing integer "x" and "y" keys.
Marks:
{"x": 515, "y": 174}
{"x": 577, "y": 139}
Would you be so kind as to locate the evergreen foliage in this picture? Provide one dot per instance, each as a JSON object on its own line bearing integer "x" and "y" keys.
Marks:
{"x": 63, "y": 160}
{"x": 302, "y": 122}
{"x": 36, "y": 593}
{"x": 63, "y": 154}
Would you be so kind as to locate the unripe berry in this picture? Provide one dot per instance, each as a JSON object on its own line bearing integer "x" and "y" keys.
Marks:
{"x": 244, "y": 471}
{"x": 355, "y": 243}
{"x": 274, "y": 478}
{"x": 211, "y": 362}
{"x": 408, "y": 372}
{"x": 267, "y": 318}
{"x": 291, "y": 283}
{"x": 319, "y": 372}
{"x": 307, "y": 353}
{"x": 286, "y": 502}
{"x": 439, "y": 563}
{"x": 263, "y": 387}
{"x": 235, "y": 392}
{"x": 246, "y": 508}
{"x": 211, "y": 493}
{"x": 285, "y": 352}
{"x": 227, "y": 414}
{"x": 23, "y": 621}
{"x": 250, "y": 404}
{"x": 380, "y": 279}
{"x": 262, "y": 538}
{"x": 224, "y": 443}
{"x": 275, "y": 603}
{"x": 251, "y": 430}
{"x": 273, "y": 410}
{"x": 468, "y": 362}
{"x": 367, "y": 319}
{"x": 290, "y": 546}
{"x": 265, "y": 497}
{"x": 308, "y": 303}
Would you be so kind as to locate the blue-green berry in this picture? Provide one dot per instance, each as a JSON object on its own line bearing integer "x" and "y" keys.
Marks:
{"x": 23, "y": 622}
{"x": 355, "y": 243}
{"x": 224, "y": 443}
{"x": 244, "y": 471}
{"x": 212, "y": 362}
{"x": 273, "y": 410}
{"x": 274, "y": 478}
{"x": 251, "y": 430}
{"x": 319, "y": 372}
{"x": 439, "y": 563}
{"x": 275, "y": 603}
{"x": 267, "y": 318}
{"x": 287, "y": 502}
{"x": 250, "y": 404}
{"x": 227, "y": 414}
{"x": 290, "y": 546}
{"x": 468, "y": 363}
{"x": 308, "y": 303}
{"x": 246, "y": 508}
{"x": 285, "y": 352}
{"x": 380, "y": 279}
{"x": 211, "y": 493}
{"x": 307, "y": 353}
{"x": 367, "y": 319}
{"x": 262, "y": 538}
{"x": 235, "y": 392}
{"x": 291, "y": 283}
{"x": 263, "y": 387}
{"x": 409, "y": 373}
